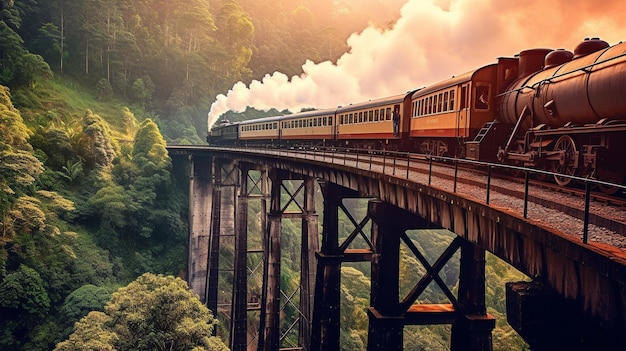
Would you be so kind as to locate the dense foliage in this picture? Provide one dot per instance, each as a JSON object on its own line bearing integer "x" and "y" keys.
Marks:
{"x": 171, "y": 57}
{"x": 151, "y": 313}
{"x": 90, "y": 91}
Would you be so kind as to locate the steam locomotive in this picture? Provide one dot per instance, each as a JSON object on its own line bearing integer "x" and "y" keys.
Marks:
{"x": 553, "y": 110}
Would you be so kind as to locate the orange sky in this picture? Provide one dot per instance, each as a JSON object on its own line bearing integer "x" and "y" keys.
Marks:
{"x": 432, "y": 40}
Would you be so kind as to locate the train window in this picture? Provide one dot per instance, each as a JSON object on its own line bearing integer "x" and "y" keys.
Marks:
{"x": 360, "y": 117}
{"x": 430, "y": 105}
{"x": 440, "y": 104}
{"x": 330, "y": 120}
{"x": 275, "y": 125}
{"x": 435, "y": 103}
{"x": 371, "y": 116}
{"x": 388, "y": 114}
{"x": 482, "y": 98}
{"x": 315, "y": 122}
{"x": 375, "y": 115}
{"x": 463, "y": 97}
{"x": 451, "y": 100}
{"x": 350, "y": 119}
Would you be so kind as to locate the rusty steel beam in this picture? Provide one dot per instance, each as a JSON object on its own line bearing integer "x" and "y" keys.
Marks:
{"x": 212, "y": 281}
{"x": 472, "y": 331}
{"x": 239, "y": 320}
{"x": 326, "y": 312}
{"x": 270, "y": 337}
{"x": 386, "y": 318}
{"x": 310, "y": 245}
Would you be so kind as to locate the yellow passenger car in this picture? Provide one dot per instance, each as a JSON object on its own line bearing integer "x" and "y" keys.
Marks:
{"x": 371, "y": 124}
{"x": 308, "y": 126}
{"x": 446, "y": 114}
{"x": 260, "y": 130}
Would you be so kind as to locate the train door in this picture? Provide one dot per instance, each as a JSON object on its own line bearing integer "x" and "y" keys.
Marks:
{"x": 463, "y": 112}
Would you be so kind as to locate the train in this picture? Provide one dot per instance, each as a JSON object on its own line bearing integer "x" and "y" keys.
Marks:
{"x": 553, "y": 110}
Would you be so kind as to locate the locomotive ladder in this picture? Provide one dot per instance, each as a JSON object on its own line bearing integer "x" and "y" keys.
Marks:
{"x": 483, "y": 131}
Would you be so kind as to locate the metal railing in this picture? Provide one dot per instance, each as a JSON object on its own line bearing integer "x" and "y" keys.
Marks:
{"x": 399, "y": 160}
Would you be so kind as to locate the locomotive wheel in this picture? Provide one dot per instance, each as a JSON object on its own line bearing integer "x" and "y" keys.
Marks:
{"x": 610, "y": 177}
{"x": 567, "y": 166}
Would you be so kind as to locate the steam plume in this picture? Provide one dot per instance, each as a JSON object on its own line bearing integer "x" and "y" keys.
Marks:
{"x": 432, "y": 40}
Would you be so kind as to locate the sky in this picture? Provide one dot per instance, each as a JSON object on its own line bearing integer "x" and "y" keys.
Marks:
{"x": 432, "y": 40}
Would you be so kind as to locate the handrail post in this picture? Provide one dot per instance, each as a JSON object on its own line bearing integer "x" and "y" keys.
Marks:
{"x": 587, "y": 201}
{"x": 525, "y": 194}
{"x": 395, "y": 156}
{"x": 456, "y": 171}
{"x": 384, "y": 160}
{"x": 430, "y": 169}
{"x": 488, "y": 182}
{"x": 408, "y": 164}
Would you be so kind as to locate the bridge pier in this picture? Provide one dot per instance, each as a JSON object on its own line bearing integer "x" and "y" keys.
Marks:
{"x": 214, "y": 243}
{"x": 471, "y": 325}
{"x": 239, "y": 314}
{"x": 326, "y": 314}
{"x": 200, "y": 200}
{"x": 472, "y": 330}
{"x": 386, "y": 315}
{"x": 270, "y": 336}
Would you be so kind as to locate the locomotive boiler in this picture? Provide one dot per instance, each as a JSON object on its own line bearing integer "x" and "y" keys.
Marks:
{"x": 568, "y": 117}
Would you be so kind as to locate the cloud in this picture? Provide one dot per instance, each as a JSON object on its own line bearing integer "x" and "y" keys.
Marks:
{"x": 432, "y": 40}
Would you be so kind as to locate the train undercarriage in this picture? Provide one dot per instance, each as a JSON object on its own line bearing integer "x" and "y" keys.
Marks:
{"x": 594, "y": 151}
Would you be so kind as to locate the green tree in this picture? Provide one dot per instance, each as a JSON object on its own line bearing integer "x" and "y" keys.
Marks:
{"x": 80, "y": 302}
{"x": 154, "y": 312}
{"x": 23, "y": 303}
{"x": 101, "y": 148}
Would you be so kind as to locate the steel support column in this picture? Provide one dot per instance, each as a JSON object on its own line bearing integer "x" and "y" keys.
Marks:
{"x": 326, "y": 314}
{"x": 238, "y": 330}
{"x": 270, "y": 338}
{"x": 310, "y": 245}
{"x": 472, "y": 331}
{"x": 386, "y": 320}
{"x": 214, "y": 243}
{"x": 224, "y": 234}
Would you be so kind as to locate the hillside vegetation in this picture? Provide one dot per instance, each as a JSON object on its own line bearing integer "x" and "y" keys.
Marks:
{"x": 90, "y": 93}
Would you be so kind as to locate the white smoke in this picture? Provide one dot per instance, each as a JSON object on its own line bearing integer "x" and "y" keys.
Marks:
{"x": 432, "y": 40}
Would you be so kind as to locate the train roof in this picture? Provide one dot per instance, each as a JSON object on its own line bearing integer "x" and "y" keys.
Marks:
{"x": 312, "y": 113}
{"x": 262, "y": 120}
{"x": 224, "y": 124}
{"x": 374, "y": 103}
{"x": 450, "y": 82}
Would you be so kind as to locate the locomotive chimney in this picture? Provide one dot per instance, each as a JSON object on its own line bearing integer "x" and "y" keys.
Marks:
{"x": 531, "y": 61}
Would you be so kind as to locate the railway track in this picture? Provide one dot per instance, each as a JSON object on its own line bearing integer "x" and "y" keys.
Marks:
{"x": 605, "y": 211}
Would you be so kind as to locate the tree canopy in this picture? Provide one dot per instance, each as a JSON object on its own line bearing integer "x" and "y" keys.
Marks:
{"x": 154, "y": 312}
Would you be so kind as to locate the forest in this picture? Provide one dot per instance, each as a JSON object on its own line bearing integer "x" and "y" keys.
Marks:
{"x": 93, "y": 215}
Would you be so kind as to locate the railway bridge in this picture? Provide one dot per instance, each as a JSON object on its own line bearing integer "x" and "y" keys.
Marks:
{"x": 574, "y": 299}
